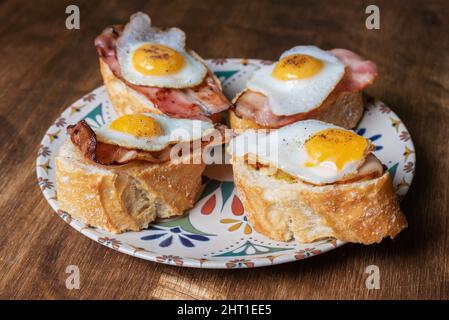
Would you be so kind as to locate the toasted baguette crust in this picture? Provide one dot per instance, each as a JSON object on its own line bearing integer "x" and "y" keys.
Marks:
{"x": 126, "y": 100}
{"x": 344, "y": 109}
{"x": 363, "y": 212}
{"x": 240, "y": 124}
{"x": 125, "y": 197}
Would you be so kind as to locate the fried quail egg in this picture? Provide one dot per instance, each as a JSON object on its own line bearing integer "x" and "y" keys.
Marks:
{"x": 151, "y": 132}
{"x": 151, "y": 57}
{"x": 300, "y": 81}
{"x": 311, "y": 150}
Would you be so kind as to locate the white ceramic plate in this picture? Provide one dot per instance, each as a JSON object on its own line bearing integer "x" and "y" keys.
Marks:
{"x": 215, "y": 233}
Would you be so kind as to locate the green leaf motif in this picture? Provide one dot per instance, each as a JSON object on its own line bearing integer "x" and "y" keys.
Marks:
{"x": 226, "y": 191}
{"x": 225, "y": 75}
{"x": 96, "y": 114}
{"x": 250, "y": 249}
{"x": 210, "y": 186}
{"x": 393, "y": 170}
{"x": 185, "y": 224}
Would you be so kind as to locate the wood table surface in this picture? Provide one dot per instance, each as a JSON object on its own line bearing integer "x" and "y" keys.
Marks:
{"x": 44, "y": 68}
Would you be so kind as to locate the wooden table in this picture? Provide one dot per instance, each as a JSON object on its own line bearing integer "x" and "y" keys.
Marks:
{"x": 44, "y": 67}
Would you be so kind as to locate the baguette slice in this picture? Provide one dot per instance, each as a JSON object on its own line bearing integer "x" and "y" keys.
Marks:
{"x": 124, "y": 197}
{"x": 126, "y": 100}
{"x": 344, "y": 109}
{"x": 363, "y": 212}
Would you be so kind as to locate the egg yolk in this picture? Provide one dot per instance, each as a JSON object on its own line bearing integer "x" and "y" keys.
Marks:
{"x": 157, "y": 60}
{"x": 137, "y": 125}
{"x": 334, "y": 146}
{"x": 297, "y": 66}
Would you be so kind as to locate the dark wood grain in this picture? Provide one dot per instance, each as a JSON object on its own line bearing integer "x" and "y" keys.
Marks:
{"x": 44, "y": 67}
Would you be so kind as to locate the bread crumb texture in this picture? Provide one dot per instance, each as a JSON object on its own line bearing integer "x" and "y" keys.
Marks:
{"x": 125, "y": 197}
{"x": 363, "y": 212}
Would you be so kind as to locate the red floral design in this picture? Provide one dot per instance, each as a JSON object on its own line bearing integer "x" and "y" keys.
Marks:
{"x": 89, "y": 97}
{"x": 209, "y": 206}
{"x": 64, "y": 215}
{"x": 170, "y": 259}
{"x": 237, "y": 206}
{"x": 44, "y": 151}
{"x": 110, "y": 242}
{"x": 404, "y": 136}
{"x": 239, "y": 263}
{"x": 409, "y": 167}
{"x": 308, "y": 252}
{"x": 384, "y": 109}
{"x": 272, "y": 257}
{"x": 60, "y": 122}
{"x": 219, "y": 62}
{"x": 45, "y": 183}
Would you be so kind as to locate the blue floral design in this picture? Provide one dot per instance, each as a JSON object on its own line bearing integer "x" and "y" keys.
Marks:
{"x": 362, "y": 131}
{"x": 167, "y": 235}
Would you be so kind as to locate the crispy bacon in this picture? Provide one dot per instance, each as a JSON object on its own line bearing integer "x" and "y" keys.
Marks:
{"x": 359, "y": 74}
{"x": 85, "y": 139}
{"x": 202, "y": 102}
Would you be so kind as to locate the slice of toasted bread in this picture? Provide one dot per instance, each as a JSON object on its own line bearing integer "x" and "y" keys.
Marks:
{"x": 123, "y": 197}
{"x": 363, "y": 212}
{"x": 344, "y": 109}
{"x": 124, "y": 99}
{"x": 240, "y": 124}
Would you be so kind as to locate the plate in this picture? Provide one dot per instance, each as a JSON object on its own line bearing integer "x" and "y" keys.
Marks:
{"x": 215, "y": 233}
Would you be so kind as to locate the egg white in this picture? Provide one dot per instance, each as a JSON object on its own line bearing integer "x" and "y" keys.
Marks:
{"x": 139, "y": 32}
{"x": 290, "y": 97}
{"x": 284, "y": 149}
{"x": 174, "y": 131}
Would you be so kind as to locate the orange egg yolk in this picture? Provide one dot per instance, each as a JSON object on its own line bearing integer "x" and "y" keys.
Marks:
{"x": 297, "y": 66}
{"x": 157, "y": 60}
{"x": 335, "y": 146}
{"x": 137, "y": 125}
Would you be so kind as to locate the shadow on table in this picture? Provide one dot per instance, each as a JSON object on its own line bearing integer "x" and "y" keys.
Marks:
{"x": 11, "y": 142}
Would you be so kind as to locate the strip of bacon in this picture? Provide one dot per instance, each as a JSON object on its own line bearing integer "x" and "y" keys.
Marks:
{"x": 85, "y": 139}
{"x": 255, "y": 106}
{"x": 202, "y": 102}
{"x": 359, "y": 74}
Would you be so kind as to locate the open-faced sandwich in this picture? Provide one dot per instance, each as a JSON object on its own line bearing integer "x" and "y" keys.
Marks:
{"x": 306, "y": 83}
{"x": 146, "y": 69}
{"x": 311, "y": 180}
{"x": 140, "y": 167}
